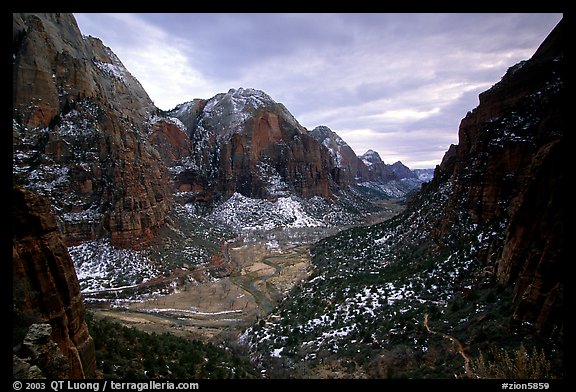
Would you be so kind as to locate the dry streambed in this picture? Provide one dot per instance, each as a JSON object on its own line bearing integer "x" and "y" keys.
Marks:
{"x": 267, "y": 265}
{"x": 264, "y": 275}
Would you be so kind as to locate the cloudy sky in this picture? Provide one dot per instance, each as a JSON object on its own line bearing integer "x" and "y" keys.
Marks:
{"x": 396, "y": 83}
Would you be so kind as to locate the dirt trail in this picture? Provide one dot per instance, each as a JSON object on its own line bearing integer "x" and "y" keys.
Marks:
{"x": 456, "y": 342}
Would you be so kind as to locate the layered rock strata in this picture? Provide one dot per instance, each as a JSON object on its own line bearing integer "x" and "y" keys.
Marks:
{"x": 508, "y": 172}
{"x": 80, "y": 134}
{"x": 47, "y": 304}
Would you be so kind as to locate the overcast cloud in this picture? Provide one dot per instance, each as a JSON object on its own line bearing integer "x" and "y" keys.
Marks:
{"x": 396, "y": 83}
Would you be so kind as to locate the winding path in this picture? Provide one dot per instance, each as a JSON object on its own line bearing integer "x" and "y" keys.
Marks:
{"x": 456, "y": 342}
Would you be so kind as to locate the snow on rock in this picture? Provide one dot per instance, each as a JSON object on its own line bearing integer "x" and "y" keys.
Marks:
{"x": 101, "y": 267}
{"x": 395, "y": 188}
{"x": 424, "y": 175}
{"x": 274, "y": 183}
{"x": 170, "y": 120}
{"x": 110, "y": 69}
{"x": 238, "y": 100}
{"x": 80, "y": 122}
{"x": 244, "y": 213}
{"x": 229, "y": 111}
{"x": 115, "y": 69}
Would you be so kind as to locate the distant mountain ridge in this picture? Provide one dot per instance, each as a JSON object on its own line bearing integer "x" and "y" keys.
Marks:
{"x": 87, "y": 135}
{"x": 246, "y": 142}
{"x": 123, "y": 176}
{"x": 480, "y": 250}
{"x": 348, "y": 167}
{"x": 363, "y": 168}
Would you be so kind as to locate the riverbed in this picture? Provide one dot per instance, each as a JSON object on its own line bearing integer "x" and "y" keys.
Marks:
{"x": 267, "y": 265}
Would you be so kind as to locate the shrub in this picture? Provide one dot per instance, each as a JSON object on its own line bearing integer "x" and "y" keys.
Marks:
{"x": 514, "y": 364}
{"x": 124, "y": 352}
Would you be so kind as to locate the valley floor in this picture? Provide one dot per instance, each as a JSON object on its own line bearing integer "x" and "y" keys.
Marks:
{"x": 266, "y": 266}
{"x": 214, "y": 309}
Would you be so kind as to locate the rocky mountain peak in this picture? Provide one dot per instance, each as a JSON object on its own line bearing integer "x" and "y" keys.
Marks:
{"x": 236, "y": 101}
{"x": 97, "y": 163}
{"x": 328, "y": 137}
{"x": 227, "y": 113}
{"x": 370, "y": 157}
{"x": 322, "y": 132}
{"x": 402, "y": 171}
{"x": 80, "y": 133}
{"x": 244, "y": 142}
{"x": 379, "y": 171}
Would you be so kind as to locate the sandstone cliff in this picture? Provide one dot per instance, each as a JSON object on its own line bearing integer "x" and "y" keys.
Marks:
{"x": 86, "y": 134}
{"x": 507, "y": 172}
{"x": 348, "y": 168}
{"x": 81, "y": 134}
{"x": 54, "y": 64}
{"x": 245, "y": 142}
{"x": 48, "y": 312}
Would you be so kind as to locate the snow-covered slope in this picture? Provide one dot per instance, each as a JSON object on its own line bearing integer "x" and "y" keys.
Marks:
{"x": 424, "y": 175}
{"x": 244, "y": 213}
{"x": 394, "y": 188}
{"x": 100, "y": 266}
{"x": 375, "y": 293}
{"x": 248, "y": 214}
{"x": 472, "y": 266}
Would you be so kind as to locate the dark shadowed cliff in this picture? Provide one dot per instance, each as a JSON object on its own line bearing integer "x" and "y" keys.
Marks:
{"x": 470, "y": 273}
{"x": 509, "y": 170}
{"x": 49, "y": 330}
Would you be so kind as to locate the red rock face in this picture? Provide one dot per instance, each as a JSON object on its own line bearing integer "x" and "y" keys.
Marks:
{"x": 80, "y": 134}
{"x": 358, "y": 171}
{"x": 533, "y": 249}
{"x": 296, "y": 157}
{"x": 377, "y": 170}
{"x": 171, "y": 142}
{"x": 243, "y": 141}
{"x": 308, "y": 168}
{"x": 53, "y": 64}
{"x": 508, "y": 169}
{"x": 266, "y": 132}
{"x": 45, "y": 286}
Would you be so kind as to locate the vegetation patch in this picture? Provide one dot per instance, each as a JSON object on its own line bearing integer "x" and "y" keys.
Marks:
{"x": 124, "y": 352}
{"x": 377, "y": 283}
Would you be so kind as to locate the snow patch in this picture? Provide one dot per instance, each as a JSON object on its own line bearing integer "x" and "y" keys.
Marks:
{"x": 170, "y": 120}
{"x": 247, "y": 214}
{"x": 394, "y": 188}
{"x": 102, "y": 267}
